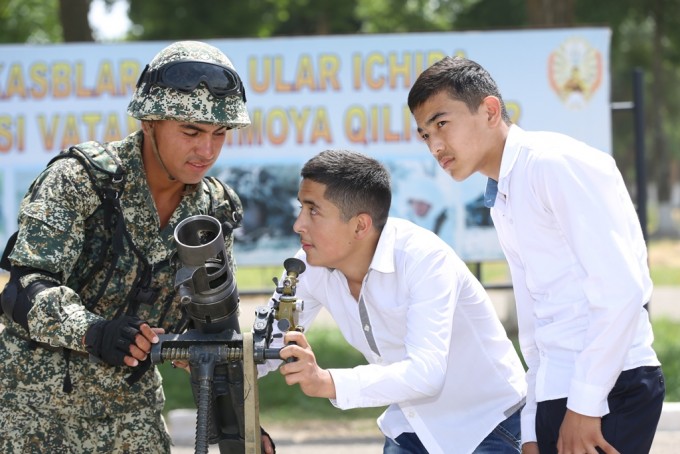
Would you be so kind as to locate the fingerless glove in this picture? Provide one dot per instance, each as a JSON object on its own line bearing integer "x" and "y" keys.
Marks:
{"x": 110, "y": 340}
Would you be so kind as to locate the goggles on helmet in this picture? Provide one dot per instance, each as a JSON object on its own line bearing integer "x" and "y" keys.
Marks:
{"x": 186, "y": 75}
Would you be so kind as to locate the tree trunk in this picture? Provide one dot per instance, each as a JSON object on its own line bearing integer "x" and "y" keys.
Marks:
{"x": 660, "y": 155}
{"x": 550, "y": 13}
{"x": 74, "y": 22}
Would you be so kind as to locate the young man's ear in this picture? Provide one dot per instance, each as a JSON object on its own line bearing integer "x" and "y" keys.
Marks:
{"x": 363, "y": 224}
{"x": 492, "y": 105}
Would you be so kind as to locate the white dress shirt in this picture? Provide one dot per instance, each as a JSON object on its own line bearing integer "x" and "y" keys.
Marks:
{"x": 437, "y": 352}
{"x": 579, "y": 270}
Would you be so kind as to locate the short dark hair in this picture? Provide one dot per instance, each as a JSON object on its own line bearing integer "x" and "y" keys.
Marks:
{"x": 355, "y": 183}
{"x": 463, "y": 79}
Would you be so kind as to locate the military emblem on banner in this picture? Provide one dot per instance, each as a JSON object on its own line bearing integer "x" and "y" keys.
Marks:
{"x": 575, "y": 72}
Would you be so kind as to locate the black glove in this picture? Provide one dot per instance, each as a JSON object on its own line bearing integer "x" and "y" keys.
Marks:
{"x": 110, "y": 340}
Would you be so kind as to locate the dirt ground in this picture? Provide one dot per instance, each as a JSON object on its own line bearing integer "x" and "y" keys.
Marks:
{"x": 665, "y": 253}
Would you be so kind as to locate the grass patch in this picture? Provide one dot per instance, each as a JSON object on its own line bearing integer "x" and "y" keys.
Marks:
{"x": 664, "y": 265}
{"x": 257, "y": 278}
{"x": 667, "y": 346}
{"x": 280, "y": 402}
{"x": 664, "y": 261}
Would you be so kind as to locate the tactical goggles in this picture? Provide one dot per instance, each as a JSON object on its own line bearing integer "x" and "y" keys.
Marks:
{"x": 186, "y": 75}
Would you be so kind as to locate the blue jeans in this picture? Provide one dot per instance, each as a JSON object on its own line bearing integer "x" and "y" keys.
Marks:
{"x": 406, "y": 443}
{"x": 504, "y": 439}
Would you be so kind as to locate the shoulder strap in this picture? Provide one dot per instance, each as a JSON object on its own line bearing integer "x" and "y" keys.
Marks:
{"x": 234, "y": 208}
{"x": 107, "y": 175}
{"x": 103, "y": 167}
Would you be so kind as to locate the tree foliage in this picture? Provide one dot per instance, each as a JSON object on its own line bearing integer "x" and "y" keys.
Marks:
{"x": 29, "y": 21}
{"x": 402, "y": 16}
{"x": 199, "y": 19}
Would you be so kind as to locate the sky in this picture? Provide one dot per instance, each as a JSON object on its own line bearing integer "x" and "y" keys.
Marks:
{"x": 109, "y": 25}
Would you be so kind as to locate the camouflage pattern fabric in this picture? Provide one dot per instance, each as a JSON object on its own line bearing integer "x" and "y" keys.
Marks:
{"x": 62, "y": 231}
{"x": 25, "y": 431}
{"x": 199, "y": 106}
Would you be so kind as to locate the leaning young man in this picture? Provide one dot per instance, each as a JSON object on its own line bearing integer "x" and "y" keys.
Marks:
{"x": 578, "y": 262}
{"x": 438, "y": 356}
{"x": 90, "y": 269}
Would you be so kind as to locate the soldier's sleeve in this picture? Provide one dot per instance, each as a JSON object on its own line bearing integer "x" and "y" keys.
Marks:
{"x": 50, "y": 240}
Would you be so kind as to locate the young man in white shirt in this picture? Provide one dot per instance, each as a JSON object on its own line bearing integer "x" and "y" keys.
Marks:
{"x": 578, "y": 262}
{"x": 437, "y": 354}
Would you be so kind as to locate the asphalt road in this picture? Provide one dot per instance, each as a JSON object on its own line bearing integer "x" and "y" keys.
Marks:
{"x": 665, "y": 442}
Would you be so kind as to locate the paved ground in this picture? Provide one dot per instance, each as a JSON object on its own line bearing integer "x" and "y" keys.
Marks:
{"x": 305, "y": 441}
{"x": 363, "y": 437}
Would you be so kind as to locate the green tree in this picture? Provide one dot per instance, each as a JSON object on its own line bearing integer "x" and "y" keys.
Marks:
{"x": 493, "y": 14}
{"x": 402, "y": 16}
{"x": 646, "y": 35}
{"x": 315, "y": 17}
{"x": 551, "y": 13}
{"x": 45, "y": 21}
{"x": 29, "y": 21}
{"x": 200, "y": 19}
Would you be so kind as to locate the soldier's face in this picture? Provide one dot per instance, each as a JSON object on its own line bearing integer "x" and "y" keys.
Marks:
{"x": 188, "y": 150}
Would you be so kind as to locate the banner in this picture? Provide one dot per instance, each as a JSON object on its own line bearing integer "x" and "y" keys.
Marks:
{"x": 305, "y": 95}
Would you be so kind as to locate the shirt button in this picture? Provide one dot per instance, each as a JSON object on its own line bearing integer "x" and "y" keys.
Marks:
{"x": 367, "y": 328}
{"x": 410, "y": 414}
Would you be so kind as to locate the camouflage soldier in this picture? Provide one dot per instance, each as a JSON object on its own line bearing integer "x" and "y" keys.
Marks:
{"x": 91, "y": 274}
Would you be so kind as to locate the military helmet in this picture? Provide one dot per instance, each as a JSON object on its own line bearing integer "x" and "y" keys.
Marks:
{"x": 190, "y": 81}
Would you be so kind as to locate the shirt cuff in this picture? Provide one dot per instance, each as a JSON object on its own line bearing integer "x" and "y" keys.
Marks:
{"x": 347, "y": 388}
{"x": 587, "y": 399}
{"x": 528, "y": 426}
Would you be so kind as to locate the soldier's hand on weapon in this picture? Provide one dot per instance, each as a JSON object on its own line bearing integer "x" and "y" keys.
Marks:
{"x": 140, "y": 349}
{"x": 126, "y": 340}
{"x": 304, "y": 371}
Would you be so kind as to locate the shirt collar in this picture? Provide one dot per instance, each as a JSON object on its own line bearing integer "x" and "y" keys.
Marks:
{"x": 383, "y": 258}
{"x": 513, "y": 144}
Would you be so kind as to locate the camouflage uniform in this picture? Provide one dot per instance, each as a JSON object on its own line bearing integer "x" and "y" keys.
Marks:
{"x": 61, "y": 231}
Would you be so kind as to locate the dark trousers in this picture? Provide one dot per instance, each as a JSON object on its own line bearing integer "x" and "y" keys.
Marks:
{"x": 634, "y": 410}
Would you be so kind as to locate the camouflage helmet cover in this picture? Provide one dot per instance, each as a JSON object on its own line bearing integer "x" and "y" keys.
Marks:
{"x": 199, "y": 106}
